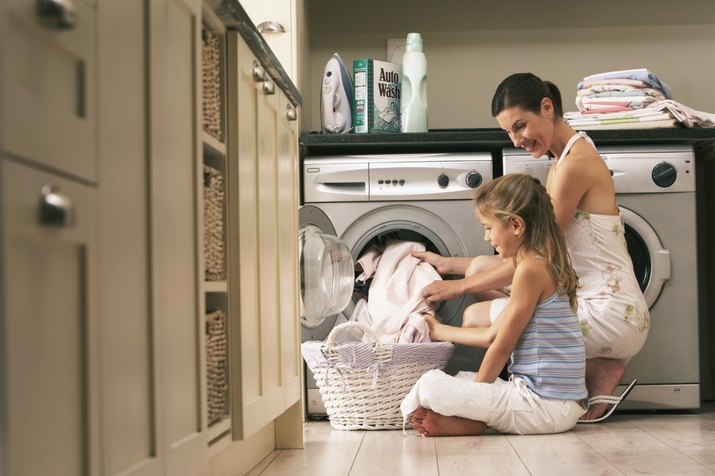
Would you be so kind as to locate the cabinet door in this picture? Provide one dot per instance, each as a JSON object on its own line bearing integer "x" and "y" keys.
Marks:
{"x": 288, "y": 203}
{"x": 49, "y": 89}
{"x": 129, "y": 376}
{"x": 174, "y": 29}
{"x": 258, "y": 380}
{"x": 50, "y": 337}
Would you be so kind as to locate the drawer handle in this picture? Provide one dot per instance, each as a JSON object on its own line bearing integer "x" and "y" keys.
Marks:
{"x": 60, "y": 14}
{"x": 258, "y": 73}
{"x": 268, "y": 87}
{"x": 291, "y": 114}
{"x": 56, "y": 209}
{"x": 270, "y": 27}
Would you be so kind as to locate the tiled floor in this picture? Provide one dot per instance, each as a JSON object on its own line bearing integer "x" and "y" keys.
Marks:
{"x": 628, "y": 443}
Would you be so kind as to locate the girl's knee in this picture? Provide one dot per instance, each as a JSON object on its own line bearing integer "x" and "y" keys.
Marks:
{"x": 477, "y": 315}
{"x": 469, "y": 317}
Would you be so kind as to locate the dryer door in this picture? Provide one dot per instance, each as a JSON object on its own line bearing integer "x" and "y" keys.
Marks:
{"x": 651, "y": 262}
{"x": 327, "y": 272}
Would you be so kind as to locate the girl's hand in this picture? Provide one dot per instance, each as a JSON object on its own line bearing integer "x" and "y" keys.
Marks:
{"x": 433, "y": 324}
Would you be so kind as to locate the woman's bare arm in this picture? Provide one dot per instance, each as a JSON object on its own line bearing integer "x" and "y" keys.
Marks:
{"x": 495, "y": 278}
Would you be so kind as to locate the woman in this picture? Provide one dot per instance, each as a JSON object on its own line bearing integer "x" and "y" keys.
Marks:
{"x": 611, "y": 308}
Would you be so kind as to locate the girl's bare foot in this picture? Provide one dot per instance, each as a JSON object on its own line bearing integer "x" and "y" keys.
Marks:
{"x": 602, "y": 378}
{"x": 430, "y": 423}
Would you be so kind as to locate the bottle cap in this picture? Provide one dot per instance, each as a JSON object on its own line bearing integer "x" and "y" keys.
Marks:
{"x": 413, "y": 43}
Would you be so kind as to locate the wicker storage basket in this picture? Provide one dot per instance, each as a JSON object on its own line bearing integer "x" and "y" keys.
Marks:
{"x": 363, "y": 383}
{"x": 216, "y": 363}
{"x": 211, "y": 81}
{"x": 213, "y": 224}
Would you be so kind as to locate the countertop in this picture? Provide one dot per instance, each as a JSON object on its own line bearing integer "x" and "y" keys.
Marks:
{"x": 235, "y": 18}
{"x": 493, "y": 140}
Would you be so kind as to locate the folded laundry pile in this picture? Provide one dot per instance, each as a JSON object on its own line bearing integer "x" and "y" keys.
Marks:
{"x": 393, "y": 307}
{"x": 631, "y": 99}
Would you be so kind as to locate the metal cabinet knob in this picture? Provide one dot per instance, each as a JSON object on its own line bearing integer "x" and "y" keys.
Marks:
{"x": 270, "y": 27}
{"x": 291, "y": 114}
{"x": 269, "y": 87}
{"x": 56, "y": 209}
{"x": 60, "y": 14}
{"x": 259, "y": 74}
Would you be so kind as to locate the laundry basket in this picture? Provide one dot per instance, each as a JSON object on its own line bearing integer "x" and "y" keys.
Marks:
{"x": 363, "y": 383}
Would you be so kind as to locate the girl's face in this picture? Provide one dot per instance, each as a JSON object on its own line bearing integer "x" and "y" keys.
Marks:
{"x": 533, "y": 132}
{"x": 504, "y": 237}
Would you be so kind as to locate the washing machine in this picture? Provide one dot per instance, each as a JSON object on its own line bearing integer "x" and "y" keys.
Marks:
{"x": 368, "y": 199}
{"x": 655, "y": 191}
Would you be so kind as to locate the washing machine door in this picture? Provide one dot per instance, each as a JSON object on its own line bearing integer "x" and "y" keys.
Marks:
{"x": 327, "y": 271}
{"x": 651, "y": 262}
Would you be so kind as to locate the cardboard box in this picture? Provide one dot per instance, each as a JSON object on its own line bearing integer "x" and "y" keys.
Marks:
{"x": 377, "y": 96}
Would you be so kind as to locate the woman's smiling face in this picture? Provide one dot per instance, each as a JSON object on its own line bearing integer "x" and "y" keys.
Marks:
{"x": 532, "y": 132}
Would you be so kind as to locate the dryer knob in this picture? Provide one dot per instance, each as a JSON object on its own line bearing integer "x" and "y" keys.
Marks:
{"x": 473, "y": 179}
{"x": 664, "y": 174}
{"x": 443, "y": 180}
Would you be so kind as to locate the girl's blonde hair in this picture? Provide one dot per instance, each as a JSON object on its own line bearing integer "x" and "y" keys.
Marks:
{"x": 525, "y": 196}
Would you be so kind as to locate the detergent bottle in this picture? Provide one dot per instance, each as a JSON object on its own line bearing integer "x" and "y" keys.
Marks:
{"x": 413, "y": 103}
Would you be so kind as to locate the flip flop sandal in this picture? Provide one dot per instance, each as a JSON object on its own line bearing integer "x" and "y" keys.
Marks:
{"x": 610, "y": 399}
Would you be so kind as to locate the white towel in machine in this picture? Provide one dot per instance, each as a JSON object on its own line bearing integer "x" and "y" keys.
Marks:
{"x": 394, "y": 303}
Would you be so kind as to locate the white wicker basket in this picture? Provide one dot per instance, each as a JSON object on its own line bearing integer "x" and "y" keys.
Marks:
{"x": 363, "y": 383}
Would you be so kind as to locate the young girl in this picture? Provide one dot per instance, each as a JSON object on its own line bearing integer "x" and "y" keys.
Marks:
{"x": 538, "y": 328}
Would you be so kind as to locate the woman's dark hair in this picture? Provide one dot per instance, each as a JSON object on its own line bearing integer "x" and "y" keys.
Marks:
{"x": 525, "y": 90}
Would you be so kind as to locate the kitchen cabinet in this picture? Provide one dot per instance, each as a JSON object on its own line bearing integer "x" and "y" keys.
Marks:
{"x": 104, "y": 303}
{"x": 49, "y": 397}
{"x": 174, "y": 150}
{"x": 49, "y": 359}
{"x": 49, "y": 93}
{"x": 262, "y": 188}
{"x": 288, "y": 272}
{"x": 213, "y": 214}
{"x": 278, "y": 22}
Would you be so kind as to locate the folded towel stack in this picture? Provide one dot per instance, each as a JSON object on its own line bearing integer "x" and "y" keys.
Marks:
{"x": 631, "y": 99}
{"x": 620, "y": 91}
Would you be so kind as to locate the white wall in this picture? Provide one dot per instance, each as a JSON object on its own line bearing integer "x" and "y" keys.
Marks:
{"x": 471, "y": 45}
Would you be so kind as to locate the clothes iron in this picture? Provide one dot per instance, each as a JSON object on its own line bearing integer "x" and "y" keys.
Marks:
{"x": 336, "y": 97}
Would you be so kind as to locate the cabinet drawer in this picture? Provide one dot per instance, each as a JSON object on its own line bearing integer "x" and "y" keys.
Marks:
{"x": 49, "y": 332}
{"x": 48, "y": 90}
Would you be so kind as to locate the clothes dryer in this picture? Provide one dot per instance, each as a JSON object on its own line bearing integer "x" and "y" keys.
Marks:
{"x": 369, "y": 199}
{"x": 655, "y": 190}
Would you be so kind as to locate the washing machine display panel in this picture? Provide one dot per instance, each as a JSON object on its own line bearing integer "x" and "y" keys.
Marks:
{"x": 393, "y": 178}
{"x": 427, "y": 181}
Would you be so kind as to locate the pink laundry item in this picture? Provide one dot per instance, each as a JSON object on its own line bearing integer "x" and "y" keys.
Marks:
{"x": 621, "y": 81}
{"x": 368, "y": 263}
{"x": 394, "y": 303}
{"x": 414, "y": 329}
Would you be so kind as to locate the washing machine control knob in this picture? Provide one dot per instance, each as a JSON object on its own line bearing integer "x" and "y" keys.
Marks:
{"x": 664, "y": 174}
{"x": 473, "y": 179}
{"x": 443, "y": 180}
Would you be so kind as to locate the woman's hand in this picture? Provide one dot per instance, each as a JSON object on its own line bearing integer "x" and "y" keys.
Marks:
{"x": 438, "y": 291}
{"x": 438, "y": 262}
